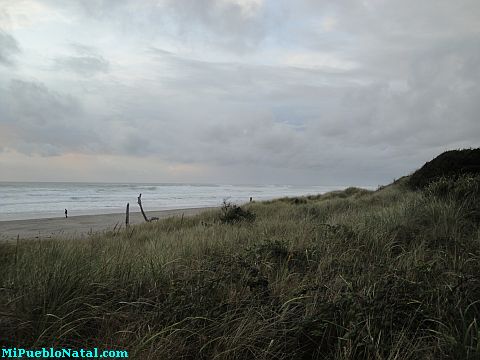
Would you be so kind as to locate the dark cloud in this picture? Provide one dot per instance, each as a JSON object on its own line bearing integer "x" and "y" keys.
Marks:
{"x": 8, "y": 48}
{"x": 44, "y": 122}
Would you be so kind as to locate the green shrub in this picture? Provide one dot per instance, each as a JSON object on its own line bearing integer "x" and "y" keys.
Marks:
{"x": 232, "y": 213}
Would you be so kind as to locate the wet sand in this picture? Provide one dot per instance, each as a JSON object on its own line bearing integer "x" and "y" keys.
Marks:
{"x": 78, "y": 226}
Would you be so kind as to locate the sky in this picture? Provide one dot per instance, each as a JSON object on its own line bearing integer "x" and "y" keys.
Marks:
{"x": 305, "y": 92}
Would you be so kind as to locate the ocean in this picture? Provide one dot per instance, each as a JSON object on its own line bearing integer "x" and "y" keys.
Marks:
{"x": 20, "y": 201}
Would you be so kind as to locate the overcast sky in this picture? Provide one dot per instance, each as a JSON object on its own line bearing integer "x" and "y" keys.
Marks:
{"x": 235, "y": 91}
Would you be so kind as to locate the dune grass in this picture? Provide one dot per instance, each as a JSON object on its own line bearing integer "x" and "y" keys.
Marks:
{"x": 391, "y": 274}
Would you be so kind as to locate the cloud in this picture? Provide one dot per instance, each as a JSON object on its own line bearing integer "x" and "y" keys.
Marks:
{"x": 233, "y": 24}
{"x": 8, "y": 48}
{"x": 237, "y": 26}
{"x": 269, "y": 116}
{"x": 271, "y": 91}
{"x": 86, "y": 61}
{"x": 82, "y": 65}
{"x": 44, "y": 122}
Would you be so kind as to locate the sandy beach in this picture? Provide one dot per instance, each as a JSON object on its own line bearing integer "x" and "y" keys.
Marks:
{"x": 78, "y": 226}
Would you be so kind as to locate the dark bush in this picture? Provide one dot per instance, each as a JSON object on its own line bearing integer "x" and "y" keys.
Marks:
{"x": 450, "y": 164}
{"x": 231, "y": 213}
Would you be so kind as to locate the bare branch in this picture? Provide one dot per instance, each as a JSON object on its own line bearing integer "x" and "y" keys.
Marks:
{"x": 139, "y": 200}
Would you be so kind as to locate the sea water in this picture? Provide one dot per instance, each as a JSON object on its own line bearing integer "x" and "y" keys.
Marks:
{"x": 45, "y": 200}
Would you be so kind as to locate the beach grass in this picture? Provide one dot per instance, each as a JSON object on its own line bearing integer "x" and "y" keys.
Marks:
{"x": 354, "y": 274}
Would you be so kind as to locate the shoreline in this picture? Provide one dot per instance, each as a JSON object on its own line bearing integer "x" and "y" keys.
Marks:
{"x": 80, "y": 225}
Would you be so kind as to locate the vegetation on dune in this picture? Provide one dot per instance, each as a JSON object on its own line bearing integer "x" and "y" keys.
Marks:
{"x": 232, "y": 213}
{"x": 390, "y": 274}
{"x": 449, "y": 164}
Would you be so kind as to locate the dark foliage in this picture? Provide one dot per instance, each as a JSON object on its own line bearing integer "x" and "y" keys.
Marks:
{"x": 448, "y": 164}
{"x": 231, "y": 213}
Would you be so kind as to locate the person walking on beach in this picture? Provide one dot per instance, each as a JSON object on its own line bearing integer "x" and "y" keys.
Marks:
{"x": 66, "y": 214}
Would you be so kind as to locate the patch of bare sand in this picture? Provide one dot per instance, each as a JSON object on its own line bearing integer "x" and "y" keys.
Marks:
{"x": 78, "y": 226}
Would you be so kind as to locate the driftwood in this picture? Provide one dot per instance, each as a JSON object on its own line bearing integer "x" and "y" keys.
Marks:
{"x": 139, "y": 200}
{"x": 127, "y": 216}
